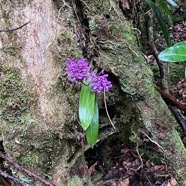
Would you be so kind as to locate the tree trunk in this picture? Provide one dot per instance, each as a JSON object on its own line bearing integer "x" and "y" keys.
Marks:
{"x": 38, "y": 106}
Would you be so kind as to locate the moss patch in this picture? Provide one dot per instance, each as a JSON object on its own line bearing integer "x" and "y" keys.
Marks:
{"x": 15, "y": 100}
{"x": 76, "y": 181}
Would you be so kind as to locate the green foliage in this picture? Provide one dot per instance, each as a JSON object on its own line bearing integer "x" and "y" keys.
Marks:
{"x": 155, "y": 157}
{"x": 92, "y": 131}
{"x": 89, "y": 114}
{"x": 86, "y": 106}
{"x": 92, "y": 24}
{"x": 159, "y": 15}
{"x": 166, "y": 12}
{"x": 176, "y": 53}
{"x": 76, "y": 181}
{"x": 176, "y": 72}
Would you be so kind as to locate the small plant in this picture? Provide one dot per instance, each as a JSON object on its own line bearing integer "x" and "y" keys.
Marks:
{"x": 176, "y": 53}
{"x": 93, "y": 82}
{"x": 163, "y": 14}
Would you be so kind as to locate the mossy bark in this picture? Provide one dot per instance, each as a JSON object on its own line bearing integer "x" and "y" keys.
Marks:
{"x": 38, "y": 106}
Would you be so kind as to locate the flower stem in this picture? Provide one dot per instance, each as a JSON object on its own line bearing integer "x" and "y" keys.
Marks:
{"x": 107, "y": 109}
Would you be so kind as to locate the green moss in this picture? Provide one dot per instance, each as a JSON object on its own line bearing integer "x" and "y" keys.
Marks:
{"x": 153, "y": 156}
{"x": 10, "y": 46}
{"x": 11, "y": 50}
{"x": 176, "y": 73}
{"x": 98, "y": 5}
{"x": 179, "y": 142}
{"x": 97, "y": 176}
{"x": 15, "y": 99}
{"x": 76, "y": 181}
{"x": 119, "y": 53}
{"x": 66, "y": 40}
{"x": 33, "y": 158}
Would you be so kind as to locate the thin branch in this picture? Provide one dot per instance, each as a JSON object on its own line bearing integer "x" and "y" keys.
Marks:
{"x": 14, "y": 29}
{"x": 28, "y": 172}
{"x": 105, "y": 102}
{"x": 16, "y": 180}
{"x": 85, "y": 4}
{"x": 179, "y": 118}
{"x": 171, "y": 99}
{"x": 5, "y": 181}
{"x": 173, "y": 102}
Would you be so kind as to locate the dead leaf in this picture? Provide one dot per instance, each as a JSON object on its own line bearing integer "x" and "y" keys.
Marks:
{"x": 155, "y": 168}
{"x": 168, "y": 184}
{"x": 124, "y": 151}
{"x": 124, "y": 182}
{"x": 173, "y": 181}
{"x": 92, "y": 169}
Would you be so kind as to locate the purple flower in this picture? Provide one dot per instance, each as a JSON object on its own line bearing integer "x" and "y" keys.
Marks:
{"x": 77, "y": 69}
{"x": 99, "y": 82}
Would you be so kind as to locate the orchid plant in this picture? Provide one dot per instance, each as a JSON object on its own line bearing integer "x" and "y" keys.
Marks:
{"x": 93, "y": 82}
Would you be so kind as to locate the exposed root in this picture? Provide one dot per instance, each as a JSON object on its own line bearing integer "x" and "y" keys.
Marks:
{"x": 152, "y": 141}
{"x": 137, "y": 150}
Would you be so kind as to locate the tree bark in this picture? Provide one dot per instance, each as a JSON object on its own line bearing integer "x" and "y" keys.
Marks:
{"x": 38, "y": 107}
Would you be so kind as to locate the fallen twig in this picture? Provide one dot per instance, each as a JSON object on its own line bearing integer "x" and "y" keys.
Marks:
{"x": 6, "y": 175}
{"x": 28, "y": 172}
{"x": 5, "y": 181}
{"x": 14, "y": 29}
{"x": 173, "y": 102}
{"x": 179, "y": 118}
{"x": 171, "y": 99}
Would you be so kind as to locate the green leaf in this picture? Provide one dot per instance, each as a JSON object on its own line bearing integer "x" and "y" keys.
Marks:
{"x": 165, "y": 11}
{"x": 176, "y": 53}
{"x": 92, "y": 131}
{"x": 181, "y": 43}
{"x": 161, "y": 22}
{"x": 86, "y": 106}
{"x": 171, "y": 2}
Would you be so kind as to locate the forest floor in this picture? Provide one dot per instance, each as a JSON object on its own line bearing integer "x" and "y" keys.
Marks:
{"x": 129, "y": 167}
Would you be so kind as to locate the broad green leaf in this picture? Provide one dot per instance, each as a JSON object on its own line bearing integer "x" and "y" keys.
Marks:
{"x": 161, "y": 22}
{"x": 92, "y": 131}
{"x": 176, "y": 53}
{"x": 86, "y": 106}
{"x": 181, "y": 43}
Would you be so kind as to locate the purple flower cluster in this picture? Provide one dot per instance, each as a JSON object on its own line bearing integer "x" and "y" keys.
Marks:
{"x": 79, "y": 70}
{"x": 100, "y": 82}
